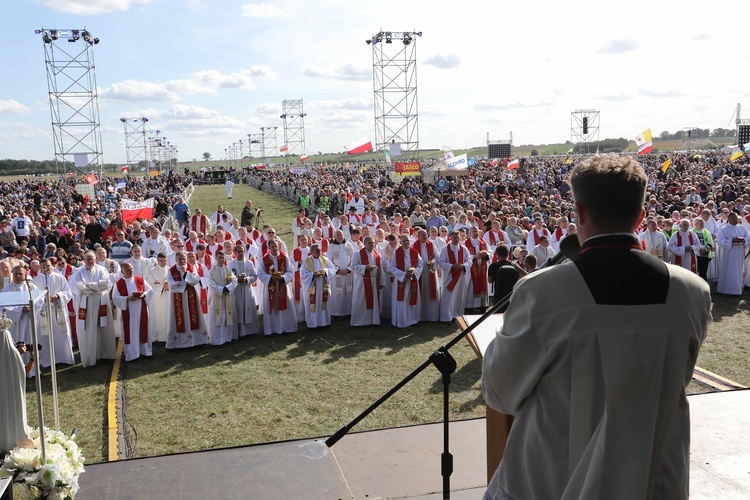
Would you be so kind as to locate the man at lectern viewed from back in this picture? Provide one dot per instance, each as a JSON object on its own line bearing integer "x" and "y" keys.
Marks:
{"x": 594, "y": 357}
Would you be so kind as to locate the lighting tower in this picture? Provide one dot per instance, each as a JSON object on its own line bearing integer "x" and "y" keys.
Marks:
{"x": 268, "y": 140}
{"x": 584, "y": 126}
{"x": 135, "y": 140}
{"x": 73, "y": 98}
{"x": 255, "y": 145}
{"x": 394, "y": 80}
{"x": 294, "y": 126}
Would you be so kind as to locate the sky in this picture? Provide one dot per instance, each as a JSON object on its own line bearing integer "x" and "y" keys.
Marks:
{"x": 208, "y": 73}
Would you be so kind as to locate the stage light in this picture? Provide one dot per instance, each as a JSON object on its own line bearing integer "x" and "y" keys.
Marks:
{"x": 46, "y": 38}
{"x": 75, "y": 36}
{"x": 388, "y": 37}
{"x": 283, "y": 117}
{"x": 368, "y": 42}
{"x": 123, "y": 120}
{"x": 419, "y": 34}
{"x": 54, "y": 34}
{"x": 86, "y": 36}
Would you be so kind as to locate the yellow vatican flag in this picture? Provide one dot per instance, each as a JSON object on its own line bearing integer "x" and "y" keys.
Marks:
{"x": 665, "y": 166}
{"x": 735, "y": 155}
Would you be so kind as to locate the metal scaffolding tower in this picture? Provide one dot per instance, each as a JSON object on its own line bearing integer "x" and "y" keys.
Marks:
{"x": 584, "y": 127}
{"x": 136, "y": 150}
{"x": 270, "y": 146}
{"x": 394, "y": 79}
{"x": 294, "y": 126}
{"x": 255, "y": 146}
{"x": 73, "y": 98}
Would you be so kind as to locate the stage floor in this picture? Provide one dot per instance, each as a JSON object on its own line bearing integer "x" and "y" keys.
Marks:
{"x": 399, "y": 463}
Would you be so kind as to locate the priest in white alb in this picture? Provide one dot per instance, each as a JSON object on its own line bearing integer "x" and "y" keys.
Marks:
{"x": 159, "y": 305}
{"x": 342, "y": 285}
{"x": 733, "y": 240}
{"x": 59, "y": 296}
{"x": 90, "y": 284}
{"x": 406, "y": 266}
{"x": 684, "y": 245}
{"x": 455, "y": 262}
{"x": 316, "y": 273}
{"x": 430, "y": 282}
{"x": 131, "y": 295}
{"x": 186, "y": 327}
{"x": 246, "y": 314}
{"x": 366, "y": 268}
{"x": 275, "y": 271}
{"x": 221, "y": 284}
{"x": 20, "y": 315}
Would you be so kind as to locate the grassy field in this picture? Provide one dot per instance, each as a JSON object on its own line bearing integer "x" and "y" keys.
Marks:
{"x": 306, "y": 384}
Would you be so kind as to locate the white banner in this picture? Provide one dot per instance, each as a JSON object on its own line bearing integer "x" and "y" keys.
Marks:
{"x": 298, "y": 170}
{"x": 126, "y": 204}
{"x": 457, "y": 162}
{"x": 81, "y": 160}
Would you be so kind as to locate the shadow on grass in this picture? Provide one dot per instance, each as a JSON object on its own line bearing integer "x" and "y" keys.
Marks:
{"x": 725, "y": 307}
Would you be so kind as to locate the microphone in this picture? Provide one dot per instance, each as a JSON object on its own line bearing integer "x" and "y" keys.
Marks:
{"x": 570, "y": 247}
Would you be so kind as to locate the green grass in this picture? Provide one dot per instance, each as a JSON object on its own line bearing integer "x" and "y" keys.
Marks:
{"x": 307, "y": 384}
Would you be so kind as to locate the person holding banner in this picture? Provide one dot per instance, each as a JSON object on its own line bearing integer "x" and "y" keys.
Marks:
{"x": 185, "y": 327}
{"x": 366, "y": 268}
{"x": 132, "y": 295}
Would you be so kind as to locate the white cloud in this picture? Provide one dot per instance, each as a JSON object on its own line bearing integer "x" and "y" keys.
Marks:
{"x": 619, "y": 46}
{"x": 206, "y": 81}
{"x": 13, "y": 107}
{"x": 196, "y": 119}
{"x": 88, "y": 8}
{"x": 262, "y": 10}
{"x": 350, "y": 104}
{"x": 444, "y": 61}
{"x": 344, "y": 72}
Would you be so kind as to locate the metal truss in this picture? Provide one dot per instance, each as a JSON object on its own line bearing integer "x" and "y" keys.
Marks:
{"x": 293, "y": 116}
{"x": 136, "y": 150}
{"x": 584, "y": 127}
{"x": 394, "y": 79}
{"x": 73, "y": 98}
{"x": 269, "y": 143}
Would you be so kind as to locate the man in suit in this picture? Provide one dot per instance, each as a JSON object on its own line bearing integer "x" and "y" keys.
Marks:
{"x": 594, "y": 356}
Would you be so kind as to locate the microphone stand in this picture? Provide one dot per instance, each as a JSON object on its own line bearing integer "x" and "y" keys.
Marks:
{"x": 446, "y": 365}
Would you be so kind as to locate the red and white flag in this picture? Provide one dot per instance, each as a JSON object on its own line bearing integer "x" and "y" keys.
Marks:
{"x": 362, "y": 145}
{"x": 132, "y": 210}
{"x": 513, "y": 165}
{"x": 284, "y": 148}
{"x": 303, "y": 156}
{"x": 90, "y": 178}
{"x": 494, "y": 162}
{"x": 125, "y": 169}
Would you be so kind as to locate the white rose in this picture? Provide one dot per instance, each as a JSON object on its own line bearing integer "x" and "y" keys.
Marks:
{"x": 49, "y": 475}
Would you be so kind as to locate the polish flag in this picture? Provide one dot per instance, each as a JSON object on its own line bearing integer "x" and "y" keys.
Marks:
{"x": 494, "y": 162}
{"x": 284, "y": 148}
{"x": 132, "y": 210}
{"x": 125, "y": 169}
{"x": 513, "y": 165}
{"x": 303, "y": 157}
{"x": 362, "y": 145}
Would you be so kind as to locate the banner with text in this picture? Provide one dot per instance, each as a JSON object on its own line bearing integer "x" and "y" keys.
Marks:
{"x": 408, "y": 167}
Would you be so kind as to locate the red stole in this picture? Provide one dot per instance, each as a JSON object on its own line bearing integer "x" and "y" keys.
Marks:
{"x": 430, "y": 257}
{"x": 558, "y": 233}
{"x": 367, "y": 277}
{"x": 323, "y": 244}
{"x": 300, "y": 223}
{"x": 218, "y": 218}
{"x": 199, "y": 223}
{"x": 179, "y": 312}
{"x": 273, "y": 285}
{"x": 537, "y": 236}
{"x": 206, "y": 261}
{"x": 330, "y": 231}
{"x": 204, "y": 293}
{"x": 400, "y": 264}
{"x": 455, "y": 273}
{"x": 478, "y": 271}
{"x": 122, "y": 288}
{"x": 297, "y": 258}
{"x": 495, "y": 242}
{"x": 678, "y": 258}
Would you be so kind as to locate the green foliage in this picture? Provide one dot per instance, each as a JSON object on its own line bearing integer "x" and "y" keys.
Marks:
{"x": 534, "y": 152}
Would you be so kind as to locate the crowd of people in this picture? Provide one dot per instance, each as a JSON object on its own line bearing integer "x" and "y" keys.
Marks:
{"x": 366, "y": 247}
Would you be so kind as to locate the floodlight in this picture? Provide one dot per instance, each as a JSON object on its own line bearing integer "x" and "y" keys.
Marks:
{"x": 54, "y": 34}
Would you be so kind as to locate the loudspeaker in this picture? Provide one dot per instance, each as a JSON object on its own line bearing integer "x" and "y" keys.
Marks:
{"x": 585, "y": 125}
{"x": 498, "y": 151}
{"x": 744, "y": 135}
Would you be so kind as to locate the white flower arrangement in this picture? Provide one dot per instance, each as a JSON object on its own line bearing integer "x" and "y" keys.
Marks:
{"x": 57, "y": 479}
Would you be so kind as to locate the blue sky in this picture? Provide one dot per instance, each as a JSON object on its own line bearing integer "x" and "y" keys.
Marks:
{"x": 207, "y": 73}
